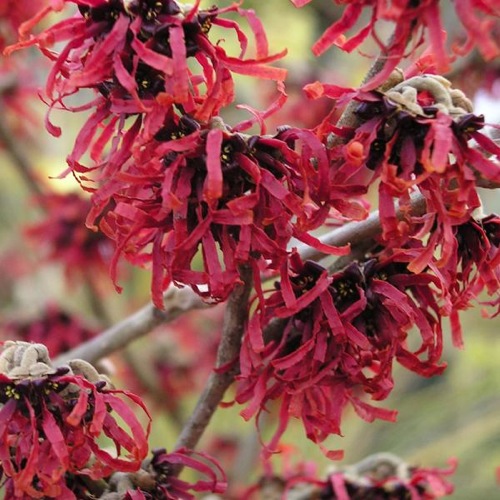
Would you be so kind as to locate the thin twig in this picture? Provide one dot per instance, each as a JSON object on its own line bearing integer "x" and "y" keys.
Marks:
{"x": 177, "y": 301}
{"x": 357, "y": 253}
{"x": 227, "y": 365}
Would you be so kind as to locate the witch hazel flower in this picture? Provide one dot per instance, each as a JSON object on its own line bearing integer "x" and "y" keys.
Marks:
{"x": 381, "y": 476}
{"x": 65, "y": 239}
{"x": 418, "y": 136}
{"x": 134, "y": 54}
{"x": 52, "y": 421}
{"x": 341, "y": 335}
{"x": 413, "y": 22}
{"x": 472, "y": 268}
{"x": 385, "y": 476}
{"x": 204, "y": 190}
{"x": 53, "y": 327}
{"x": 157, "y": 479}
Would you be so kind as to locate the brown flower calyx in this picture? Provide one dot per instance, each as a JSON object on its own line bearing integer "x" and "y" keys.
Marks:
{"x": 446, "y": 99}
{"x": 21, "y": 360}
{"x": 377, "y": 467}
{"x": 120, "y": 483}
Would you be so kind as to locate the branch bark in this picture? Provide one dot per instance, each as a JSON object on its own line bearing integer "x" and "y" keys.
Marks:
{"x": 227, "y": 366}
{"x": 177, "y": 301}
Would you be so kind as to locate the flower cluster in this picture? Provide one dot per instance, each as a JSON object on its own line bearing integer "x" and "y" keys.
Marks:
{"x": 62, "y": 235}
{"x": 417, "y": 137}
{"x": 237, "y": 199}
{"x": 413, "y": 21}
{"x": 134, "y": 54}
{"x": 54, "y": 328}
{"x": 161, "y": 167}
{"x": 53, "y": 421}
{"x": 341, "y": 335}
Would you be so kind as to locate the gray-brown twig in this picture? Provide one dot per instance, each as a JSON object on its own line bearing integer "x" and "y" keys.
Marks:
{"x": 177, "y": 301}
{"x": 227, "y": 365}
